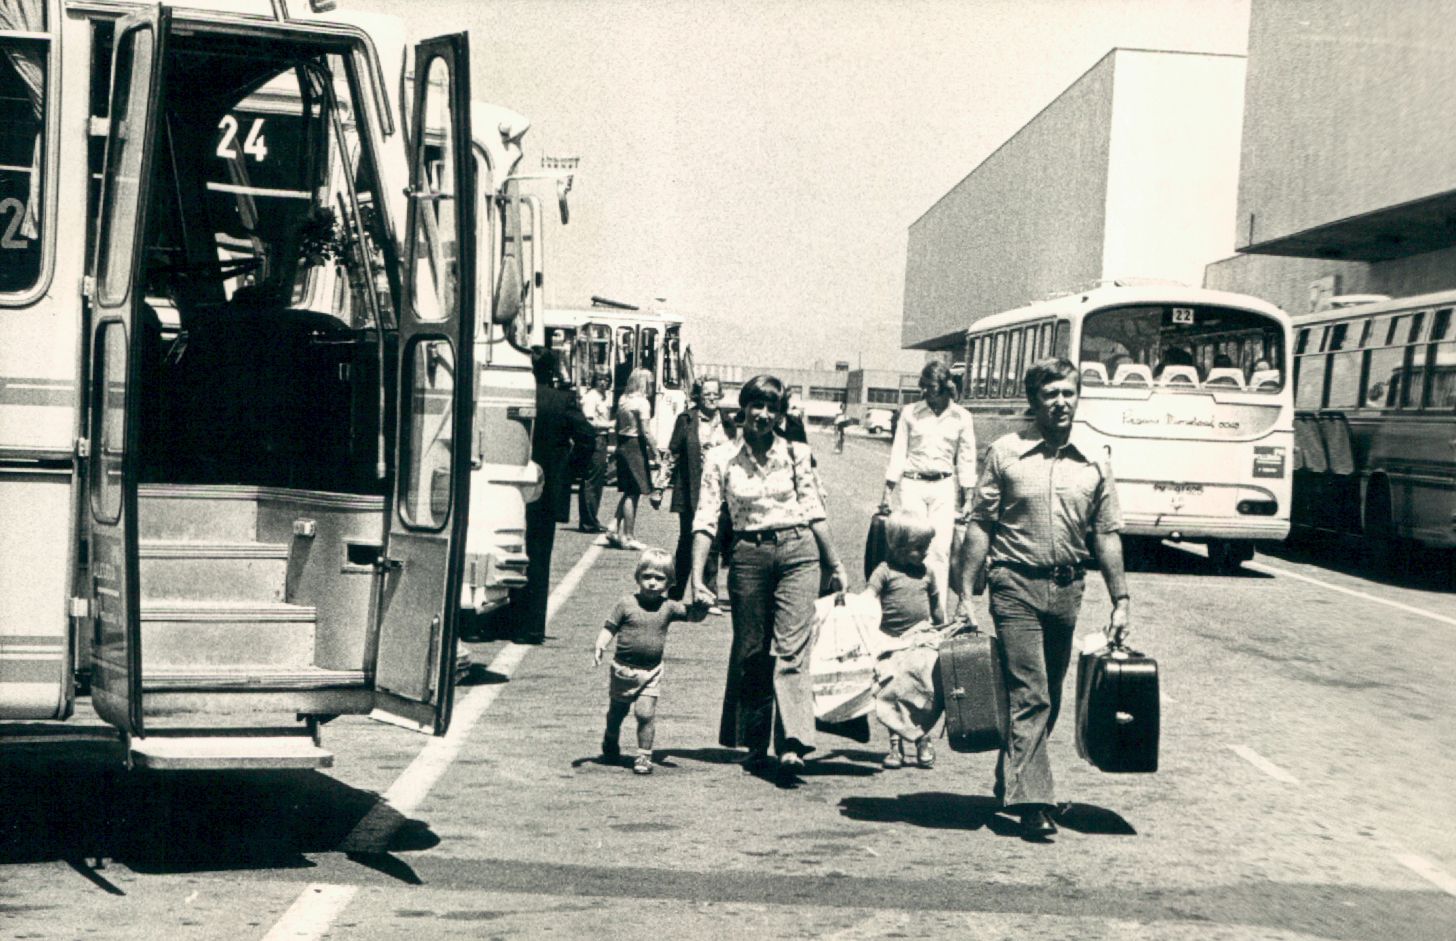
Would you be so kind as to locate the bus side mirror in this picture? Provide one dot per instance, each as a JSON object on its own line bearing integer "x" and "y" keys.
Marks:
{"x": 563, "y": 186}
{"x": 510, "y": 286}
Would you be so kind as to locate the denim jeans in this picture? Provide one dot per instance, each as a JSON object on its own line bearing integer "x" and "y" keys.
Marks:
{"x": 1035, "y": 621}
{"x": 773, "y": 587}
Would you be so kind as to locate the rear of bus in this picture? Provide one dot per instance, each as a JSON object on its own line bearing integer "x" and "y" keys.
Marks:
{"x": 1188, "y": 392}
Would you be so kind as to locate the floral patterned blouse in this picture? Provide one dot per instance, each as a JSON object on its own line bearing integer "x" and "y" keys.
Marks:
{"x": 779, "y": 492}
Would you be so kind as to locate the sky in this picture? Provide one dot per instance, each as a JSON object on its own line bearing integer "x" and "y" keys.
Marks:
{"x": 756, "y": 165}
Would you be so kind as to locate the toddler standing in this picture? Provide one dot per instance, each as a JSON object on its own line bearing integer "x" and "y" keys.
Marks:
{"x": 639, "y": 622}
{"x": 909, "y": 599}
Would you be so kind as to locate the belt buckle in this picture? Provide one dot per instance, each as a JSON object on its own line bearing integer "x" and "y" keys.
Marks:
{"x": 1064, "y": 575}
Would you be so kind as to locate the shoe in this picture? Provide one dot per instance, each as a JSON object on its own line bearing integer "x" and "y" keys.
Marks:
{"x": 643, "y": 764}
{"x": 615, "y": 541}
{"x": 610, "y": 749}
{"x": 792, "y": 761}
{"x": 925, "y": 753}
{"x": 594, "y": 530}
{"x": 895, "y": 757}
{"x": 715, "y": 610}
{"x": 1036, "y": 823}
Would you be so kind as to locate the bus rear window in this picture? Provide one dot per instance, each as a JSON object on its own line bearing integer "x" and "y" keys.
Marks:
{"x": 22, "y": 157}
{"x": 1185, "y": 348}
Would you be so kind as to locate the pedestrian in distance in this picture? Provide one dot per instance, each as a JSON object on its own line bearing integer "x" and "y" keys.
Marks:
{"x": 696, "y": 432}
{"x": 841, "y": 423}
{"x": 781, "y": 538}
{"x": 910, "y": 602}
{"x": 932, "y": 467}
{"x": 1039, "y": 496}
{"x": 639, "y": 623}
{"x": 562, "y": 441}
{"x": 596, "y": 404}
{"x": 636, "y": 450}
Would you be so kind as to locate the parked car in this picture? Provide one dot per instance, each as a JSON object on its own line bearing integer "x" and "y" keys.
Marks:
{"x": 879, "y": 421}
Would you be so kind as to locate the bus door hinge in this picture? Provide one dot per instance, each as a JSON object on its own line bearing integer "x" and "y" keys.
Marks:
{"x": 386, "y": 564}
{"x": 83, "y": 448}
{"x": 88, "y": 287}
{"x": 80, "y": 607}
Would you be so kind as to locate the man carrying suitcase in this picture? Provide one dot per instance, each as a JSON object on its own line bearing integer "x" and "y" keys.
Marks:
{"x": 1038, "y": 498}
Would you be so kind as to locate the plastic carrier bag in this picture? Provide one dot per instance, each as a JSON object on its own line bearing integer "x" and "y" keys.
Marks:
{"x": 842, "y": 663}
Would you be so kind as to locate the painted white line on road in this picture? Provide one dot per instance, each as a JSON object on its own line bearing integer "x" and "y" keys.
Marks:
{"x": 312, "y": 912}
{"x": 1263, "y": 764}
{"x": 317, "y": 906}
{"x": 1169, "y": 700}
{"x": 1409, "y": 609}
{"x": 1427, "y": 870}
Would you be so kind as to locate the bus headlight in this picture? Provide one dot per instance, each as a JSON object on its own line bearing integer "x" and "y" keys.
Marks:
{"x": 532, "y": 491}
{"x": 1257, "y": 507}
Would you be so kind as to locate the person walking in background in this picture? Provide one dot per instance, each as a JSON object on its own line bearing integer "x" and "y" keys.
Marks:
{"x": 841, "y": 422}
{"x": 1039, "y": 496}
{"x": 596, "y": 404}
{"x": 562, "y": 441}
{"x": 781, "y": 537}
{"x": 635, "y": 452}
{"x": 639, "y": 622}
{"x": 933, "y": 461}
{"x": 697, "y": 431}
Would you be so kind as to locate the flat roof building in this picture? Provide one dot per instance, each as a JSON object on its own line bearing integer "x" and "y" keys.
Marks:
{"x": 1132, "y": 172}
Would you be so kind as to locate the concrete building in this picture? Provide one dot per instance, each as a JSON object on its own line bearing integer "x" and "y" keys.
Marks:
{"x": 1129, "y": 173}
{"x": 1347, "y": 183}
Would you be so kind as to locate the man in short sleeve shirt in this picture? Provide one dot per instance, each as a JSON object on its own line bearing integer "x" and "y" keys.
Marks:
{"x": 1040, "y": 497}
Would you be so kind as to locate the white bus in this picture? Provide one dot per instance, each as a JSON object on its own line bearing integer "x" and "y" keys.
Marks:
{"x": 612, "y": 339}
{"x": 235, "y": 462}
{"x": 1375, "y": 389}
{"x": 1184, "y": 388}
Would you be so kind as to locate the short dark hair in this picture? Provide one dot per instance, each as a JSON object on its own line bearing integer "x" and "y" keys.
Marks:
{"x": 543, "y": 365}
{"x": 766, "y": 390}
{"x": 1047, "y": 370}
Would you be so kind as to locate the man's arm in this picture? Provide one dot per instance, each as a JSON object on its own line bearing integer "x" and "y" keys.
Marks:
{"x": 973, "y": 555}
{"x": 899, "y": 448}
{"x": 1108, "y": 547}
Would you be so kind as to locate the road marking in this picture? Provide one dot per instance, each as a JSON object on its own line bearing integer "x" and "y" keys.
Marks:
{"x": 1263, "y": 764}
{"x": 313, "y": 912}
{"x": 1409, "y": 609}
{"x": 1427, "y": 870}
{"x": 1169, "y": 700}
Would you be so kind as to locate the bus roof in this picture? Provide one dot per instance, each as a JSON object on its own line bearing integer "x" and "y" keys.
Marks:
{"x": 1118, "y": 295}
{"x": 1434, "y": 299}
{"x": 578, "y": 315}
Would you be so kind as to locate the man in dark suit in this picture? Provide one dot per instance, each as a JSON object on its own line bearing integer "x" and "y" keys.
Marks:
{"x": 562, "y": 442}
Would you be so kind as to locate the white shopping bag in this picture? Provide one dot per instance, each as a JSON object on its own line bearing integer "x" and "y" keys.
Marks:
{"x": 842, "y": 663}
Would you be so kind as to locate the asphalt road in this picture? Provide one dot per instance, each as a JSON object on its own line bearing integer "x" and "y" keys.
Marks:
{"x": 1304, "y": 792}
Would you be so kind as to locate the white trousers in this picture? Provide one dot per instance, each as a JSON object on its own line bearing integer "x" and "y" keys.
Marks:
{"x": 937, "y": 500}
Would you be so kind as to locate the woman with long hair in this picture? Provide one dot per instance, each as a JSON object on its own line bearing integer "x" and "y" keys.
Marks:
{"x": 781, "y": 538}
{"x": 635, "y": 448}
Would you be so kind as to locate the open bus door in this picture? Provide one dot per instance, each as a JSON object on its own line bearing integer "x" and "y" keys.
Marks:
{"x": 118, "y": 307}
{"x": 418, "y": 578}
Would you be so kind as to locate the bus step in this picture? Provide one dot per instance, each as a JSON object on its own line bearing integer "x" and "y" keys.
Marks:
{"x": 220, "y": 634}
{"x": 211, "y": 751}
{"x": 194, "y": 571}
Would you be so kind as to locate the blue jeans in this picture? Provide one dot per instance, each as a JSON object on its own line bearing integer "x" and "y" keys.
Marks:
{"x": 1035, "y": 621}
{"x": 773, "y": 587}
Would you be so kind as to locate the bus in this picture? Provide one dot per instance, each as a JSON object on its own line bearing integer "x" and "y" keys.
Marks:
{"x": 235, "y": 460}
{"x": 611, "y": 339}
{"x": 1184, "y": 389}
{"x": 1375, "y": 422}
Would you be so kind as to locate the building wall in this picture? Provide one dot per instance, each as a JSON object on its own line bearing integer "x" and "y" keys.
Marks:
{"x": 1349, "y": 111}
{"x": 1173, "y": 171}
{"x": 1004, "y": 235}
{"x": 1287, "y": 282}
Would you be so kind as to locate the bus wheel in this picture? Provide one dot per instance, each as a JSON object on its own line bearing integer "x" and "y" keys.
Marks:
{"x": 1226, "y": 556}
{"x": 1381, "y": 545}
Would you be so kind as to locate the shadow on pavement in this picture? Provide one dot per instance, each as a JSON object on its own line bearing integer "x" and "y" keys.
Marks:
{"x": 936, "y": 810}
{"x": 1093, "y": 820}
{"x": 184, "y": 821}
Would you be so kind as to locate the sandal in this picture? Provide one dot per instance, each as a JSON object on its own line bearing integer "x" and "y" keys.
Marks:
{"x": 925, "y": 753}
{"x": 643, "y": 764}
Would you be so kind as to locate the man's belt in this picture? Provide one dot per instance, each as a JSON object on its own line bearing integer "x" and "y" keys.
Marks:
{"x": 770, "y": 536}
{"x": 927, "y": 475}
{"x": 1059, "y": 574}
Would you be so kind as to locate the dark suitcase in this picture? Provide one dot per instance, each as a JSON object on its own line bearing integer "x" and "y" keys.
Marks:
{"x": 877, "y": 547}
{"x": 1118, "y": 710}
{"x": 969, "y": 670}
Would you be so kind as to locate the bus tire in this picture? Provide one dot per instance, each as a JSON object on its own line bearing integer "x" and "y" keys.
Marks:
{"x": 1228, "y": 555}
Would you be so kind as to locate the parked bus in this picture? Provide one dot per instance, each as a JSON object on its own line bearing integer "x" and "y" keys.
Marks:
{"x": 1375, "y": 390}
{"x": 235, "y": 462}
{"x": 612, "y": 339}
{"x": 1184, "y": 388}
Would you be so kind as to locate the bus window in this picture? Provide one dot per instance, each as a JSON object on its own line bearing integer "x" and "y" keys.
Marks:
{"x": 968, "y": 390}
{"x": 1046, "y": 340}
{"x": 625, "y": 352}
{"x": 1158, "y": 337}
{"x": 598, "y": 345}
{"x": 1345, "y": 379}
{"x": 647, "y": 351}
{"x": 1309, "y": 391}
{"x": 993, "y": 372}
{"x": 563, "y": 341}
{"x": 23, "y": 63}
{"x": 1384, "y": 383}
{"x": 672, "y": 357}
{"x": 1011, "y": 374}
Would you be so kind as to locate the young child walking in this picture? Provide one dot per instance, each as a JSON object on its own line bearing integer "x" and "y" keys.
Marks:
{"x": 639, "y": 622}
{"x": 909, "y": 600}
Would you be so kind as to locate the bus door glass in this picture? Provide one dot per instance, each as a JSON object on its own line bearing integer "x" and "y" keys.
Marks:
{"x": 418, "y": 587}
{"x": 563, "y": 341}
{"x": 624, "y": 351}
{"x": 136, "y": 88}
{"x": 672, "y": 371}
{"x": 647, "y": 359}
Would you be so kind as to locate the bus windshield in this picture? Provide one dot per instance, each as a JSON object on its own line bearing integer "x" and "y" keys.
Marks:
{"x": 22, "y": 126}
{"x": 1183, "y": 348}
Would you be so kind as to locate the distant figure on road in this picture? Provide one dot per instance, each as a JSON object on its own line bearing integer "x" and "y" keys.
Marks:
{"x": 596, "y": 404}
{"x": 1039, "y": 496}
{"x": 635, "y": 453}
{"x": 780, "y": 539}
{"x": 933, "y": 461}
{"x": 561, "y": 445}
{"x": 841, "y": 422}
{"x": 639, "y": 622}
{"x": 696, "y": 432}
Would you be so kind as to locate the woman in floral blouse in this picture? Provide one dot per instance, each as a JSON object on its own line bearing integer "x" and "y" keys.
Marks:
{"x": 781, "y": 538}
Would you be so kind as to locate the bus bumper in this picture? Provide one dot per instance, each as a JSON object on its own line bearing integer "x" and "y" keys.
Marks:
{"x": 1201, "y": 529}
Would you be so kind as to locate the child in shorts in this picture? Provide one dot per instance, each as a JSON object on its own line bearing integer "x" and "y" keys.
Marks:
{"x": 639, "y": 622}
{"x": 909, "y": 599}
